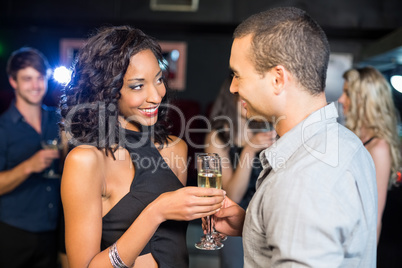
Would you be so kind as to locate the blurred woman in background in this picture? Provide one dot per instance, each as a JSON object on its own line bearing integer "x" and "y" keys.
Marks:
{"x": 370, "y": 113}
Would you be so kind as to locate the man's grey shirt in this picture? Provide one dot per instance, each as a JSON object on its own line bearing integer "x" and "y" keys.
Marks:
{"x": 317, "y": 207}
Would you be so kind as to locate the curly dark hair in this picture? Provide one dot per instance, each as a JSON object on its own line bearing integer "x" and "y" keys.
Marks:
{"x": 89, "y": 103}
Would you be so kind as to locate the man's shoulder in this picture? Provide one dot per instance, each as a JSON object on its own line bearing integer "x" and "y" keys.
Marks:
{"x": 50, "y": 109}
{"x": 5, "y": 119}
{"x": 53, "y": 112}
{"x": 348, "y": 136}
{"x": 344, "y": 141}
{"x": 351, "y": 148}
{"x": 326, "y": 157}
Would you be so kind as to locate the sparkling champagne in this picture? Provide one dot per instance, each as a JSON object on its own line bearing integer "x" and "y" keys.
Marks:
{"x": 51, "y": 144}
{"x": 209, "y": 169}
{"x": 210, "y": 180}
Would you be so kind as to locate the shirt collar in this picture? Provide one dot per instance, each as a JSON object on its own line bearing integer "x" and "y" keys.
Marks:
{"x": 277, "y": 154}
{"x": 16, "y": 116}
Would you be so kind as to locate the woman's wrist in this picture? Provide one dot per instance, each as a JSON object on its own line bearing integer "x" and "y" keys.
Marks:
{"x": 155, "y": 210}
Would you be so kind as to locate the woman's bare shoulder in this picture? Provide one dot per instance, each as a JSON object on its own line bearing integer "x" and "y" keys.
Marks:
{"x": 379, "y": 144}
{"x": 379, "y": 149}
{"x": 84, "y": 152}
{"x": 84, "y": 156}
{"x": 84, "y": 168}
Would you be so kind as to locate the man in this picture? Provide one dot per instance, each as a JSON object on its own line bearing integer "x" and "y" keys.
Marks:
{"x": 30, "y": 204}
{"x": 316, "y": 201}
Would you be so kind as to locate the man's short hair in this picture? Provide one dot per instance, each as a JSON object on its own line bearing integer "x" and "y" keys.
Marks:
{"x": 288, "y": 36}
{"x": 27, "y": 57}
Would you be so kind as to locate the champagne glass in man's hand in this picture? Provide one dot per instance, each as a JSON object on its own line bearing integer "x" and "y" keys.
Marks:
{"x": 52, "y": 172}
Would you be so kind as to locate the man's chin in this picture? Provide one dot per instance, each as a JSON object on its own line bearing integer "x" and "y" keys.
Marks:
{"x": 254, "y": 117}
{"x": 34, "y": 103}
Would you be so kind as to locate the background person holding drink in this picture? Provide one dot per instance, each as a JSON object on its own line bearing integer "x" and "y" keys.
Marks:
{"x": 30, "y": 204}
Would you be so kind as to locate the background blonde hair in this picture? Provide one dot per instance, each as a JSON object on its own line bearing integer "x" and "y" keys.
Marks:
{"x": 372, "y": 107}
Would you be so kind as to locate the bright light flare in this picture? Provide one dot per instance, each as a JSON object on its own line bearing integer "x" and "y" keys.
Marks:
{"x": 175, "y": 54}
{"x": 396, "y": 82}
{"x": 62, "y": 75}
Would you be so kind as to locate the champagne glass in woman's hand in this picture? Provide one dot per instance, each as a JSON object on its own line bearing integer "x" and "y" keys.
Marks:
{"x": 209, "y": 169}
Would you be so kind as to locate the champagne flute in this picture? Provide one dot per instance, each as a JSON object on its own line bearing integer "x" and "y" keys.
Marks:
{"x": 51, "y": 172}
{"x": 209, "y": 170}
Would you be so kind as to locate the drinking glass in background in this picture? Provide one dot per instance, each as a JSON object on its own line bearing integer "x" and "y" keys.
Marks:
{"x": 52, "y": 172}
{"x": 209, "y": 170}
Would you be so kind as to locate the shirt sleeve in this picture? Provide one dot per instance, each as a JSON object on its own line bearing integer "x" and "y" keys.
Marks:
{"x": 3, "y": 149}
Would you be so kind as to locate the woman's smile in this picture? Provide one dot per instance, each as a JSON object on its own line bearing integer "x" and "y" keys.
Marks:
{"x": 149, "y": 112}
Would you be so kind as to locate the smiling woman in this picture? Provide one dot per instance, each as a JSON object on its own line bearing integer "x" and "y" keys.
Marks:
{"x": 142, "y": 91}
{"x": 120, "y": 180}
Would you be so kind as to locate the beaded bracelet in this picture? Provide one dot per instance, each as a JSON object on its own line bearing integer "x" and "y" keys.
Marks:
{"x": 115, "y": 259}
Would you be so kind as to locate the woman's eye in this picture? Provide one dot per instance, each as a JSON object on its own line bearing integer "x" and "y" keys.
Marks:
{"x": 160, "y": 80}
{"x": 136, "y": 87}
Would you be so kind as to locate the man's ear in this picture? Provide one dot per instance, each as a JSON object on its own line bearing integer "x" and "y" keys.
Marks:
{"x": 12, "y": 82}
{"x": 280, "y": 77}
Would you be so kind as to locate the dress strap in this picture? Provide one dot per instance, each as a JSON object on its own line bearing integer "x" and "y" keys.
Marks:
{"x": 369, "y": 140}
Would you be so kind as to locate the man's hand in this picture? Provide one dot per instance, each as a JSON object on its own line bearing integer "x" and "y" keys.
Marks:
{"x": 229, "y": 219}
{"x": 42, "y": 160}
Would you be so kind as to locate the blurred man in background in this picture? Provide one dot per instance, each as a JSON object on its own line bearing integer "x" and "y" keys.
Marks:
{"x": 30, "y": 205}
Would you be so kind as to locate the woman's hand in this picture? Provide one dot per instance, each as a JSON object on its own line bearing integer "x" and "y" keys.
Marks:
{"x": 188, "y": 203}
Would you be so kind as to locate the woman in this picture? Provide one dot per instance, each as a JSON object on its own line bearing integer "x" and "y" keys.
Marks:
{"x": 238, "y": 141}
{"x": 122, "y": 184}
{"x": 370, "y": 113}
